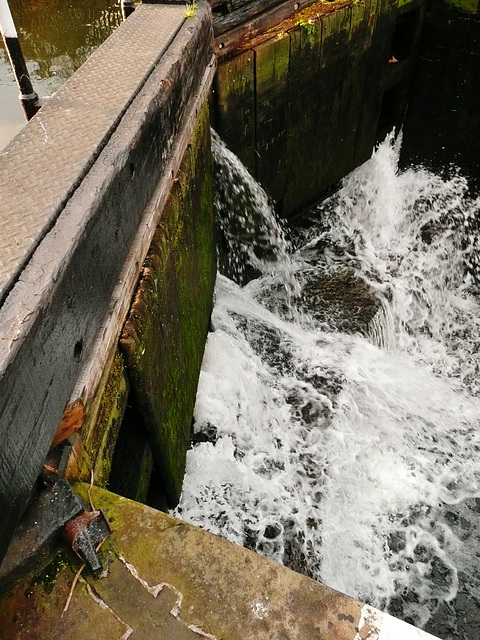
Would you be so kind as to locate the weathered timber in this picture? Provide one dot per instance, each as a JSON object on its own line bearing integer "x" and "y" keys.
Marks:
{"x": 27, "y": 218}
{"x": 234, "y": 100}
{"x": 270, "y": 24}
{"x": 241, "y": 14}
{"x": 321, "y": 106}
{"x": 167, "y": 326}
{"x": 106, "y": 338}
{"x": 333, "y": 67}
{"x": 54, "y": 313}
{"x": 72, "y": 420}
{"x": 100, "y": 432}
{"x": 271, "y": 73}
{"x": 358, "y": 62}
{"x": 304, "y": 93}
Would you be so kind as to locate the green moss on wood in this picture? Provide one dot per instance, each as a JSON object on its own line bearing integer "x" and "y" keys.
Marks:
{"x": 105, "y": 418}
{"x": 165, "y": 333}
{"x": 470, "y": 7}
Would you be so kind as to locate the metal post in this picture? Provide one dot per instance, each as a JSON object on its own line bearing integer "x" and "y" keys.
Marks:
{"x": 128, "y": 7}
{"x": 28, "y": 97}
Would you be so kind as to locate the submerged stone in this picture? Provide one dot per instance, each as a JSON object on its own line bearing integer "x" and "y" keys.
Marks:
{"x": 342, "y": 301}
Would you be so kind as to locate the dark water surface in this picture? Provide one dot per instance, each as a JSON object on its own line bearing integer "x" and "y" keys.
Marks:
{"x": 56, "y": 36}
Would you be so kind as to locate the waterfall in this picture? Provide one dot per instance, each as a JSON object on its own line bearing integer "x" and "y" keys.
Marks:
{"x": 337, "y": 415}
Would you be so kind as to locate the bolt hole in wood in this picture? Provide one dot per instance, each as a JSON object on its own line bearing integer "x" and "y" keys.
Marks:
{"x": 78, "y": 350}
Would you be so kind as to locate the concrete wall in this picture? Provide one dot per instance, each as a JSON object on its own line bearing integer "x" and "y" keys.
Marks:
{"x": 82, "y": 190}
{"x": 305, "y": 102}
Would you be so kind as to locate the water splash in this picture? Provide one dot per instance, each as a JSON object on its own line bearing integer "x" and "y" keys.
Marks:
{"x": 255, "y": 239}
{"x": 353, "y": 456}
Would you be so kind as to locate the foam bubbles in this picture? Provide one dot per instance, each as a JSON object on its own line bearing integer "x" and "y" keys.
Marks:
{"x": 353, "y": 457}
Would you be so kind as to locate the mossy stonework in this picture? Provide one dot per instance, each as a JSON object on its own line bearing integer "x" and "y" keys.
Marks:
{"x": 164, "y": 336}
{"x": 316, "y": 97}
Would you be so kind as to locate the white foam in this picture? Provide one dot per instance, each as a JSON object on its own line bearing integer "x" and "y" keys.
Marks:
{"x": 353, "y": 458}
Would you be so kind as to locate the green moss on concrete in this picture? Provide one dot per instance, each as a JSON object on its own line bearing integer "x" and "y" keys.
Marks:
{"x": 180, "y": 583}
{"x": 165, "y": 333}
{"x": 47, "y": 576}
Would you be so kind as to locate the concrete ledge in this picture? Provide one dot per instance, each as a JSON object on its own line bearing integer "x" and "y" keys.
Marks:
{"x": 167, "y": 580}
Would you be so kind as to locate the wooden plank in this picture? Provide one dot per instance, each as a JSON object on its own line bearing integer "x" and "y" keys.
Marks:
{"x": 271, "y": 75}
{"x": 241, "y": 13}
{"x": 358, "y": 56}
{"x": 99, "y": 434}
{"x": 234, "y": 101}
{"x": 164, "y": 336}
{"x": 53, "y": 315}
{"x": 57, "y": 163}
{"x": 335, "y": 30}
{"x": 72, "y": 420}
{"x": 303, "y": 156}
{"x": 271, "y": 24}
{"x": 377, "y": 66}
{"x": 107, "y": 336}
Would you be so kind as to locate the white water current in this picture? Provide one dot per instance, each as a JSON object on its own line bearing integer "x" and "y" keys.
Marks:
{"x": 338, "y": 411}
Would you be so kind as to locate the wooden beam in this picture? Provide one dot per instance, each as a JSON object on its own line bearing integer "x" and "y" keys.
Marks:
{"x": 55, "y": 313}
{"x": 269, "y": 24}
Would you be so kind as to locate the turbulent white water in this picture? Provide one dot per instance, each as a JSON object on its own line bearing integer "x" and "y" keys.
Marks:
{"x": 339, "y": 413}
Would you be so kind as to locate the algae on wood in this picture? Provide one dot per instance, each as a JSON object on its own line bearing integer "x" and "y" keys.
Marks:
{"x": 99, "y": 434}
{"x": 234, "y": 94}
{"x": 304, "y": 163}
{"x": 165, "y": 333}
{"x": 271, "y": 72}
{"x": 359, "y": 60}
{"x": 324, "y": 92}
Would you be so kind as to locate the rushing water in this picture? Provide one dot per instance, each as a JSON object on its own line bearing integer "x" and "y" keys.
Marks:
{"x": 337, "y": 417}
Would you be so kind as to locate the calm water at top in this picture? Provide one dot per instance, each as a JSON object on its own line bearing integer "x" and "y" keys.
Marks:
{"x": 56, "y": 36}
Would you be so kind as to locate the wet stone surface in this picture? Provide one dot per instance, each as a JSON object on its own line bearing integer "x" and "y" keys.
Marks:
{"x": 166, "y": 580}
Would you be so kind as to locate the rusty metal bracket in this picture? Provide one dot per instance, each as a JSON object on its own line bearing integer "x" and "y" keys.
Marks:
{"x": 55, "y": 512}
{"x": 84, "y": 534}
